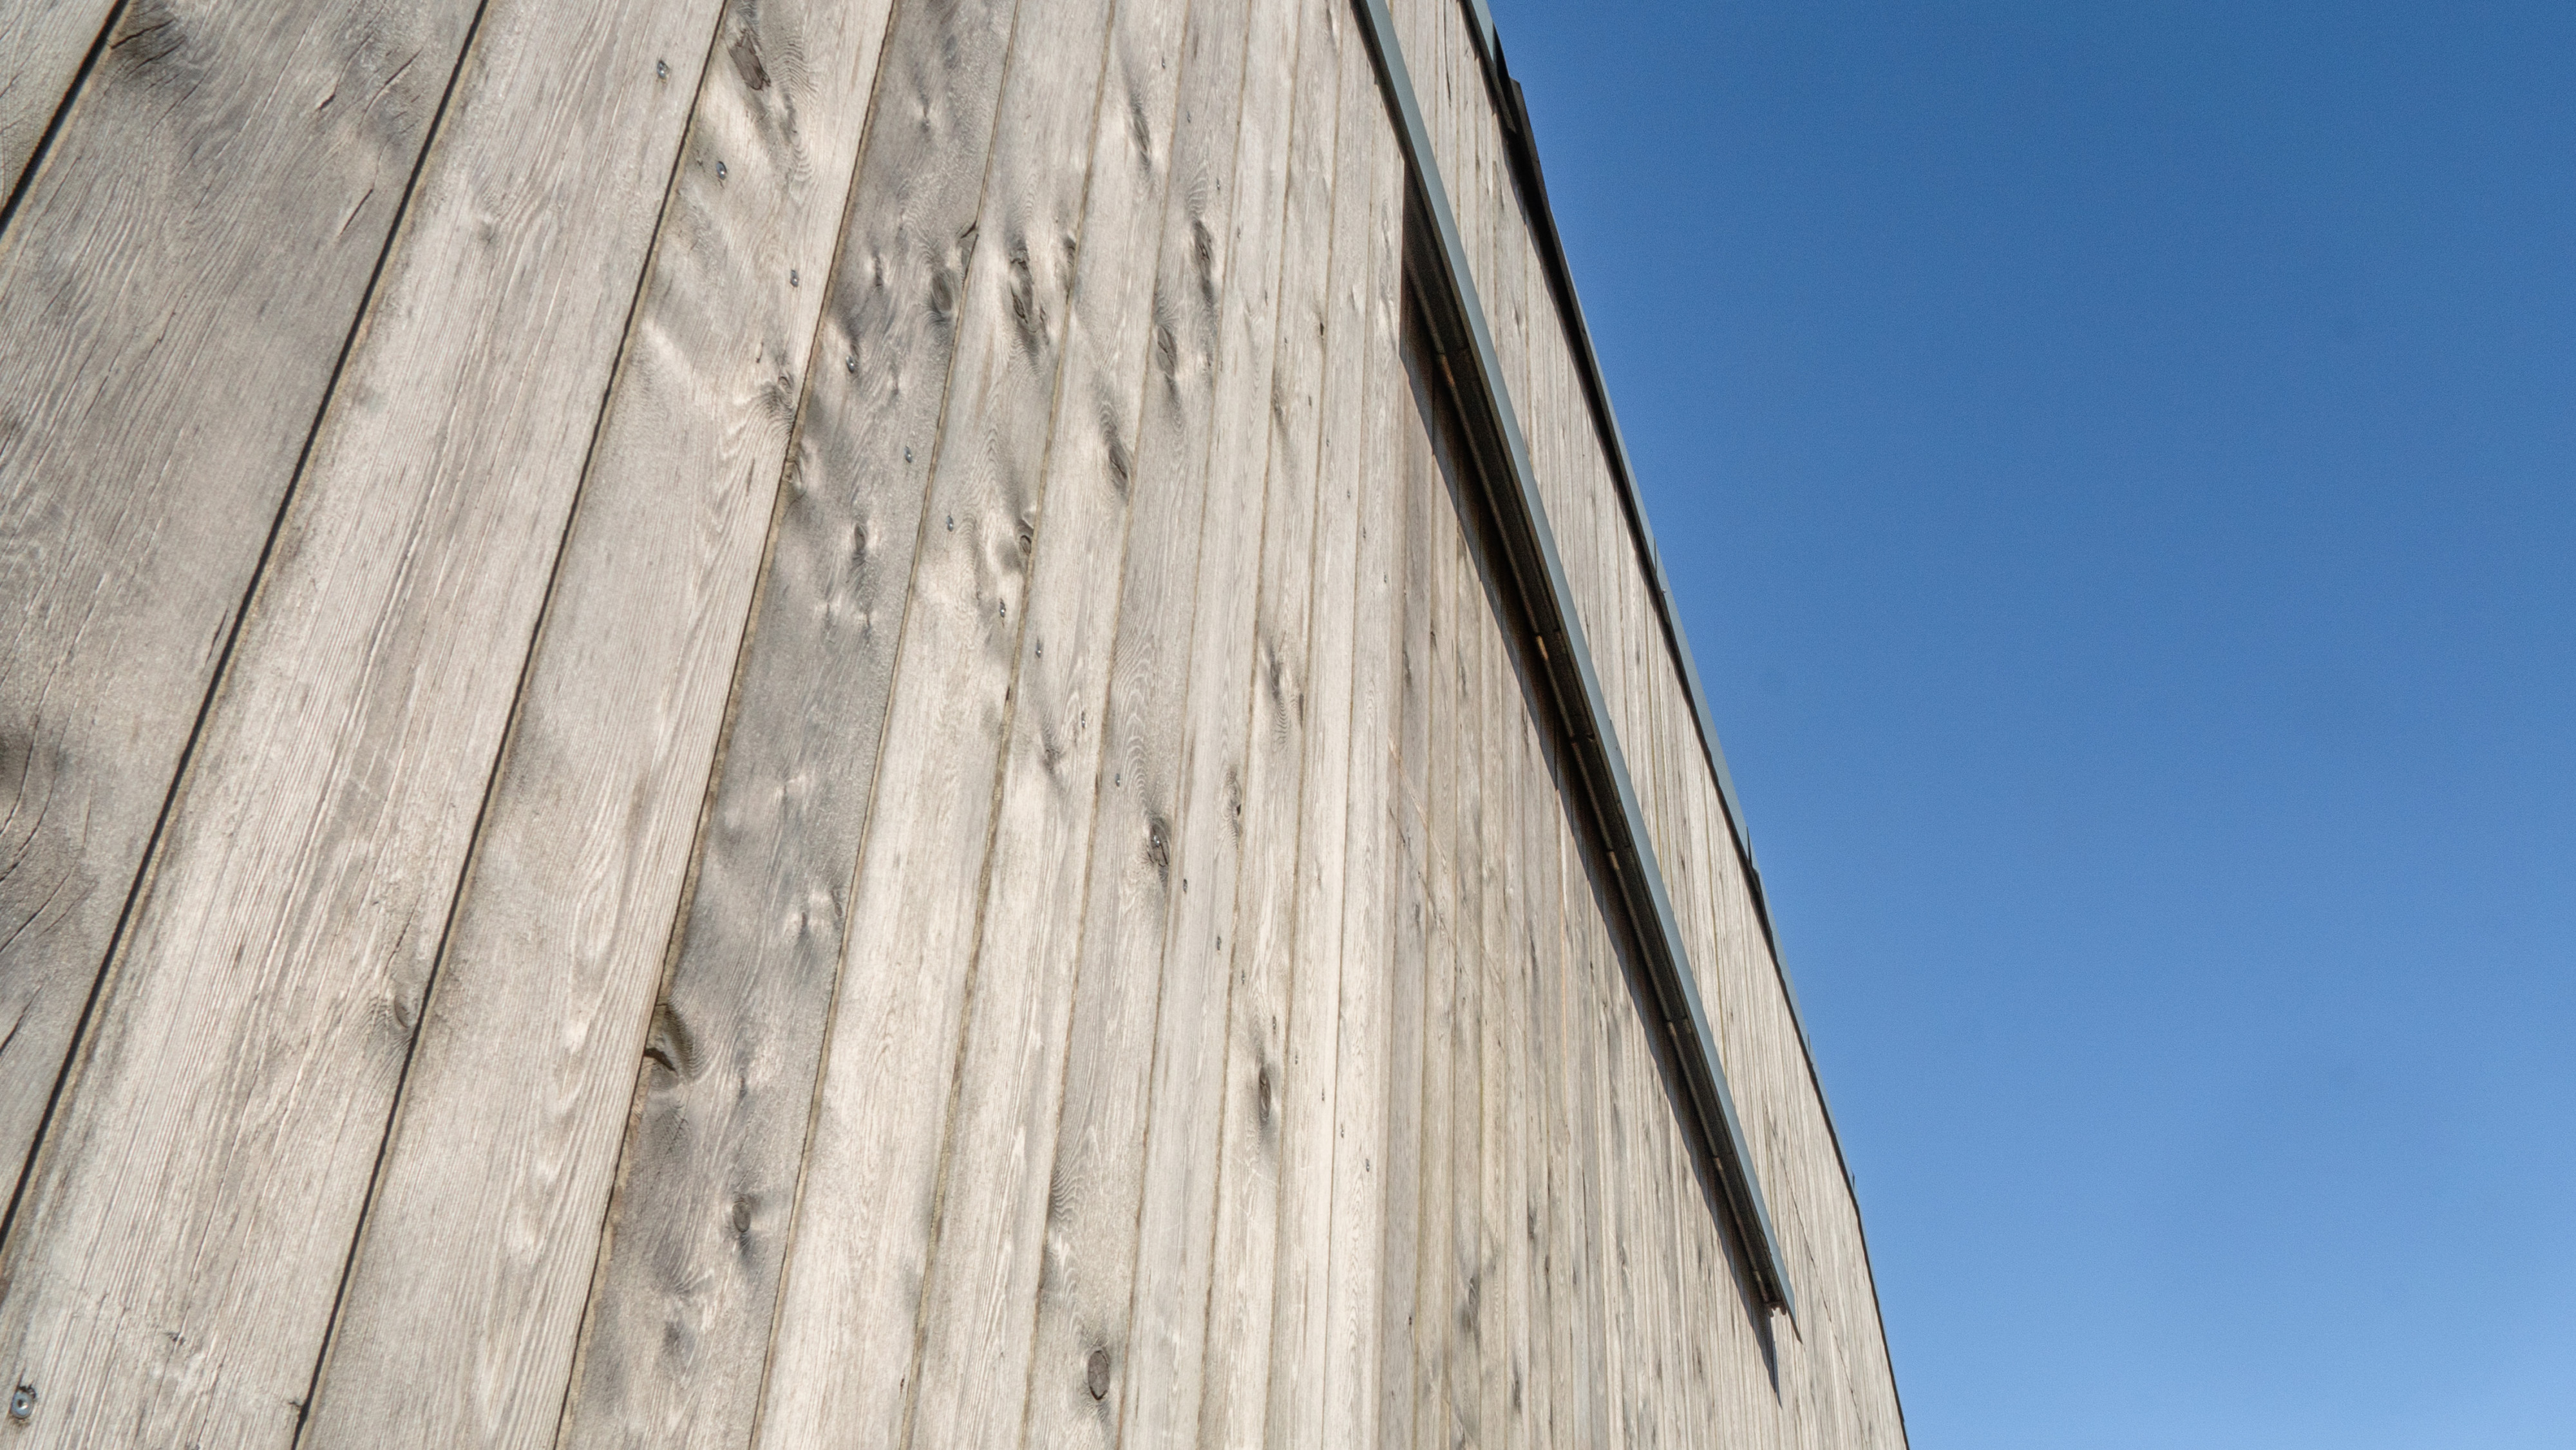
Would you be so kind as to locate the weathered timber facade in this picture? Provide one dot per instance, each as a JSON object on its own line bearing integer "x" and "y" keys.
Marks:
{"x": 857, "y": 722}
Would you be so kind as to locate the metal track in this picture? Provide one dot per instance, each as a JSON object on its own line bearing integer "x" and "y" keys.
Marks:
{"x": 1465, "y": 341}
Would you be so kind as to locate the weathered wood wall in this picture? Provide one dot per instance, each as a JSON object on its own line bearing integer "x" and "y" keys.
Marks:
{"x": 785, "y": 723}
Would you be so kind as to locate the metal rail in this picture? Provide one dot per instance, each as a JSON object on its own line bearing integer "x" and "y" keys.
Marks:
{"x": 1510, "y": 487}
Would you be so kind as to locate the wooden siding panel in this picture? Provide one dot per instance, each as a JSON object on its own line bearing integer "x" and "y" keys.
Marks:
{"x": 1369, "y": 1011}
{"x": 1297, "y": 1403}
{"x": 842, "y": 1360}
{"x": 236, "y": 1085}
{"x": 43, "y": 44}
{"x": 680, "y": 1323}
{"x": 527, "y": 1061}
{"x": 987, "y": 1263}
{"x": 172, "y": 317}
{"x": 1265, "y": 1080}
{"x": 1083, "y": 1349}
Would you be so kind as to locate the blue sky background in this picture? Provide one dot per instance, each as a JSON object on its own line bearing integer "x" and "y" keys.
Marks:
{"x": 2118, "y": 466}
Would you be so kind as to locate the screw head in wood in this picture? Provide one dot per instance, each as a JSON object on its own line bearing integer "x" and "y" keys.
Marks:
{"x": 662, "y": 70}
{"x": 792, "y": 279}
{"x": 22, "y": 1402}
{"x": 851, "y": 362}
{"x": 720, "y": 171}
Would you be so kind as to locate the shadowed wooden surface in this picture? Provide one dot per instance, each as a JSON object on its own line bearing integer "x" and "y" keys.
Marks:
{"x": 883, "y": 785}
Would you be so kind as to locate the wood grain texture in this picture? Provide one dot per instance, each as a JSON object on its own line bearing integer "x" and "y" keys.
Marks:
{"x": 1365, "y": 1040}
{"x": 1175, "y": 1219}
{"x": 236, "y": 1084}
{"x": 528, "y": 1055}
{"x": 848, "y": 1321}
{"x": 1400, "y": 1363}
{"x": 985, "y": 1267}
{"x": 680, "y": 1324}
{"x": 171, "y": 313}
{"x": 1082, "y": 1352}
{"x": 42, "y": 45}
{"x": 1436, "y": 1214}
{"x": 1267, "y": 1083}
{"x": 1302, "y": 1328}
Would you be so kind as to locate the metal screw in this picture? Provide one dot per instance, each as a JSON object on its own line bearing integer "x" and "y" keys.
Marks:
{"x": 23, "y": 1403}
{"x": 791, "y": 278}
{"x": 661, "y": 70}
{"x": 907, "y": 455}
{"x": 720, "y": 171}
{"x": 952, "y": 518}
{"x": 851, "y": 362}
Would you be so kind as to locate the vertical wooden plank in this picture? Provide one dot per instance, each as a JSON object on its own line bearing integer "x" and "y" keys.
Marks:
{"x": 1541, "y": 967}
{"x": 1081, "y": 1347}
{"x": 1312, "y": 1080}
{"x": 1400, "y": 1363}
{"x": 679, "y": 1327}
{"x": 842, "y": 1360}
{"x": 526, "y": 1063}
{"x": 1271, "y": 1073}
{"x": 1499, "y": 1361}
{"x": 984, "y": 1269}
{"x": 1435, "y": 1274}
{"x": 171, "y": 318}
{"x": 173, "y": 1270}
{"x": 42, "y": 46}
{"x": 1467, "y": 1329}
{"x": 1506, "y": 1055}
{"x": 1175, "y": 1220}
{"x": 1369, "y": 1005}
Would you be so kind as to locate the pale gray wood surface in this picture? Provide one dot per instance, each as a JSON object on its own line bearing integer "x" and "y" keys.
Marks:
{"x": 1083, "y": 1353}
{"x": 42, "y": 46}
{"x": 1434, "y": 1314}
{"x": 170, "y": 317}
{"x": 173, "y": 1270}
{"x": 841, "y": 1366}
{"x": 988, "y": 1259}
{"x": 1365, "y": 1040}
{"x": 1175, "y": 1265}
{"x": 681, "y": 1318}
{"x": 1264, "y": 1085}
{"x": 528, "y": 1056}
{"x": 1399, "y": 1365}
{"x": 1301, "y": 1331}
{"x": 1267, "y": 1082}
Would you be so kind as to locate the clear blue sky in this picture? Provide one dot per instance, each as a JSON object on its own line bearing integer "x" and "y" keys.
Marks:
{"x": 2118, "y": 466}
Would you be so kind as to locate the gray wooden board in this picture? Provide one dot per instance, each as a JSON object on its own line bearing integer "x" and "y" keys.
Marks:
{"x": 1268, "y": 1081}
{"x": 528, "y": 1054}
{"x": 43, "y": 44}
{"x": 1300, "y": 1332}
{"x": 1366, "y": 1044}
{"x": 1408, "y": 824}
{"x": 235, "y": 1085}
{"x": 1081, "y": 1347}
{"x": 1175, "y": 1217}
{"x": 1462, "y": 1316}
{"x": 984, "y": 1273}
{"x": 1433, "y": 1314}
{"x": 171, "y": 315}
{"x": 680, "y": 1321}
{"x": 848, "y": 1320}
